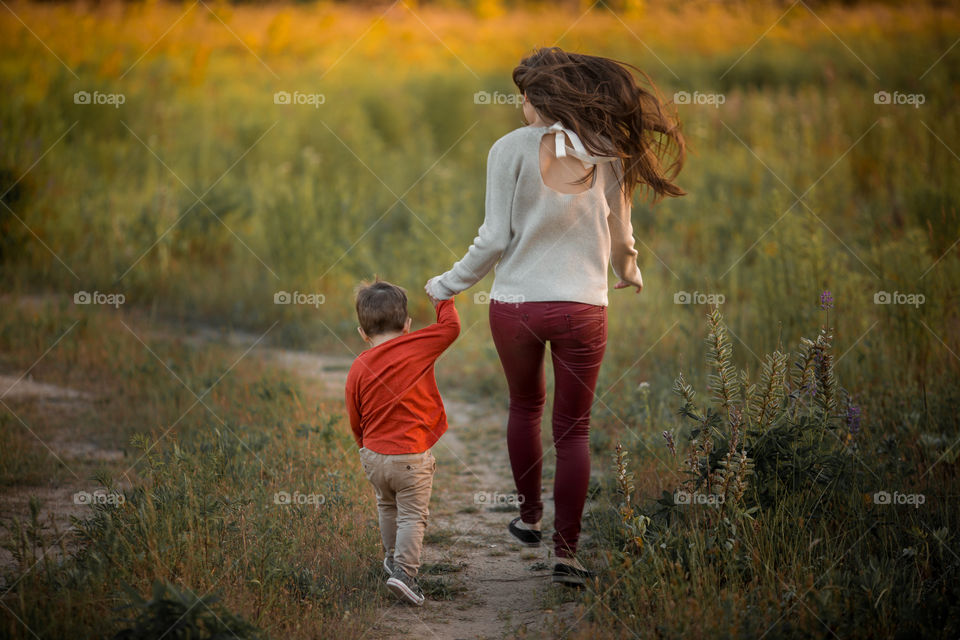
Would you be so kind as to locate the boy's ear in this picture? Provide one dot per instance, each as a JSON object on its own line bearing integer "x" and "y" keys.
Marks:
{"x": 406, "y": 325}
{"x": 363, "y": 334}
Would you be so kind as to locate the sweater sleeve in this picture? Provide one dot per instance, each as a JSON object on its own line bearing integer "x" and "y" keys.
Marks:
{"x": 494, "y": 234}
{"x": 623, "y": 257}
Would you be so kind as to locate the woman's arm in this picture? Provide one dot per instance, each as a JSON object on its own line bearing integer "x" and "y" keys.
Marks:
{"x": 494, "y": 234}
{"x": 623, "y": 257}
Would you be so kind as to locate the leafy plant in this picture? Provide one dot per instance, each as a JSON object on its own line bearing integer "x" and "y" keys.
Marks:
{"x": 754, "y": 445}
{"x": 786, "y": 434}
{"x": 634, "y": 525}
{"x": 175, "y": 613}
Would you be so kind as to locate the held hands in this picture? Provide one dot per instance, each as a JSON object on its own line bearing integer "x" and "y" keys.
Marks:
{"x": 433, "y": 288}
{"x": 434, "y": 300}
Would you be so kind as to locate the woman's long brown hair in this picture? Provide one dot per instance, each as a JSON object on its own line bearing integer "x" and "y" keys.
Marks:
{"x": 602, "y": 102}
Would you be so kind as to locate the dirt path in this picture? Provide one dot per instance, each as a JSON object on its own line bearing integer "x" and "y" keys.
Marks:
{"x": 57, "y": 503}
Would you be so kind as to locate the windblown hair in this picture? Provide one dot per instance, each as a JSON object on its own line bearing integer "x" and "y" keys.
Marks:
{"x": 602, "y": 102}
{"x": 381, "y": 307}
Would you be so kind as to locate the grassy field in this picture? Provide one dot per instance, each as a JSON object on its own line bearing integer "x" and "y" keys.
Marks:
{"x": 188, "y": 187}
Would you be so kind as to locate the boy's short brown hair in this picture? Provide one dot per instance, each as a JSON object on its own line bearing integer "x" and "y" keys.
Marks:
{"x": 381, "y": 307}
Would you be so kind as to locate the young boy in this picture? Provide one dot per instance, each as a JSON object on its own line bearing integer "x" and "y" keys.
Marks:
{"x": 397, "y": 415}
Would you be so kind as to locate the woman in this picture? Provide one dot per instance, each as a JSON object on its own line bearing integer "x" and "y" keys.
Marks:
{"x": 558, "y": 202}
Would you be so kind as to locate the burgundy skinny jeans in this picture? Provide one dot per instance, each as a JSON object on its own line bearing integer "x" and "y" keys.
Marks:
{"x": 577, "y": 334}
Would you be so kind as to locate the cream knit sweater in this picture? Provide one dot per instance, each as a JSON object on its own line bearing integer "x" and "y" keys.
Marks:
{"x": 546, "y": 245}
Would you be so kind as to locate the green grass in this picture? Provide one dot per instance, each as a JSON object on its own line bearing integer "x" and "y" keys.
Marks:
{"x": 199, "y": 509}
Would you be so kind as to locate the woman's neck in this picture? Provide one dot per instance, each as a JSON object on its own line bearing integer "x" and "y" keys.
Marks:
{"x": 540, "y": 122}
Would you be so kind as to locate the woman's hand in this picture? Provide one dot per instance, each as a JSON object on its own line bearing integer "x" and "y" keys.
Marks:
{"x": 623, "y": 285}
{"x": 431, "y": 292}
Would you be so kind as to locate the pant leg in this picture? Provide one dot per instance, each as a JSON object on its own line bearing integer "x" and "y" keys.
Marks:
{"x": 374, "y": 466}
{"x": 514, "y": 329}
{"x": 577, "y": 355}
{"x": 412, "y": 479}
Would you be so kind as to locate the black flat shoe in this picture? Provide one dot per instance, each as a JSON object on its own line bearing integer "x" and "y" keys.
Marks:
{"x": 571, "y": 576}
{"x": 526, "y": 537}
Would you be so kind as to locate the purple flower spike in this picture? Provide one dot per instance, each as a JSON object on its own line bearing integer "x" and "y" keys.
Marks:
{"x": 826, "y": 300}
{"x": 853, "y": 418}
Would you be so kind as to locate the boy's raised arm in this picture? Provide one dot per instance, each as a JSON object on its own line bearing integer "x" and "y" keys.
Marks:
{"x": 441, "y": 334}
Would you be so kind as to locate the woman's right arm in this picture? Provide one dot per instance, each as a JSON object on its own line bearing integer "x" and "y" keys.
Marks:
{"x": 494, "y": 234}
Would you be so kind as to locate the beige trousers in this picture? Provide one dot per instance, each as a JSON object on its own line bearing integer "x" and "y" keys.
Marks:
{"x": 402, "y": 484}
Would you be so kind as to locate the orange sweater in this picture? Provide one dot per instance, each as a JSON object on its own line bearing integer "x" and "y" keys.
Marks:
{"x": 391, "y": 393}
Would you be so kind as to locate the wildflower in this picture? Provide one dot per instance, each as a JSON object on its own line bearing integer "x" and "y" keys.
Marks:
{"x": 826, "y": 300}
{"x": 853, "y": 418}
{"x": 670, "y": 444}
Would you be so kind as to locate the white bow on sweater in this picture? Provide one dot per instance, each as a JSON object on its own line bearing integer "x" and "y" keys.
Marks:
{"x": 578, "y": 151}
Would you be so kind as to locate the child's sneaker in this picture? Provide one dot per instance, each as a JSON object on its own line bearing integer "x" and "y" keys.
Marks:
{"x": 388, "y": 565}
{"x": 406, "y": 587}
{"x": 571, "y": 573}
{"x": 526, "y": 537}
